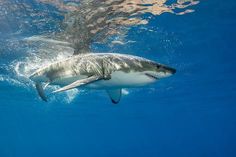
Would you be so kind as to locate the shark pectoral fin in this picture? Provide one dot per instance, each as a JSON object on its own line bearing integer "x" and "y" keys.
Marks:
{"x": 40, "y": 90}
{"x": 115, "y": 95}
{"x": 79, "y": 83}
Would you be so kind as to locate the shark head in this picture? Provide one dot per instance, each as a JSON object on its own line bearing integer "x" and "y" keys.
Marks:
{"x": 160, "y": 71}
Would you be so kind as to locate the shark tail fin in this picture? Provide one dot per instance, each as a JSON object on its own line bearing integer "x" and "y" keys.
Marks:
{"x": 40, "y": 91}
{"x": 115, "y": 95}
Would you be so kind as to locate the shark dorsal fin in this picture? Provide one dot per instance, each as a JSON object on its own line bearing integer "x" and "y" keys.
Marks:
{"x": 40, "y": 90}
{"x": 81, "y": 49}
{"x": 115, "y": 95}
{"x": 79, "y": 83}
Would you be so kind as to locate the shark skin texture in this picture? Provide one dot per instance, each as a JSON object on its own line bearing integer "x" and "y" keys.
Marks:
{"x": 100, "y": 71}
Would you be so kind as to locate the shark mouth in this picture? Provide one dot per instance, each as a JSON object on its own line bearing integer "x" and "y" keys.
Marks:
{"x": 151, "y": 76}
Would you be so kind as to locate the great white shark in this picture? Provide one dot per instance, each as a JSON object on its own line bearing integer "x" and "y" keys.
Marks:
{"x": 103, "y": 71}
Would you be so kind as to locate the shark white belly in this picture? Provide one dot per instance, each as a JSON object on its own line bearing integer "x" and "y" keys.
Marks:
{"x": 121, "y": 79}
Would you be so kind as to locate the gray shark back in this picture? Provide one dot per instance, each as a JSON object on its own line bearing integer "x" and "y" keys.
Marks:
{"x": 98, "y": 64}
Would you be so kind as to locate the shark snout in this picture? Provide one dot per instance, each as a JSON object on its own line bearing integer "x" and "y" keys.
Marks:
{"x": 164, "y": 71}
{"x": 169, "y": 70}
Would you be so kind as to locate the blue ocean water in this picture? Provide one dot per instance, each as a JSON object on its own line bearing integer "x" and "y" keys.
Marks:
{"x": 190, "y": 114}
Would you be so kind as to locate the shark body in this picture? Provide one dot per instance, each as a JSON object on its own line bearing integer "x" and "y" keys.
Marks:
{"x": 103, "y": 71}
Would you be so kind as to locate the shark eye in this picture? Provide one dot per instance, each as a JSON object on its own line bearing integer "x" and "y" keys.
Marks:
{"x": 158, "y": 66}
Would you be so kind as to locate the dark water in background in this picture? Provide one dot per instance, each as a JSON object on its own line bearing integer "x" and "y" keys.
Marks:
{"x": 189, "y": 114}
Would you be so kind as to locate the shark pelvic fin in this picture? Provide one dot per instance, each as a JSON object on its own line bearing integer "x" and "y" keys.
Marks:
{"x": 115, "y": 95}
{"x": 40, "y": 90}
{"x": 79, "y": 83}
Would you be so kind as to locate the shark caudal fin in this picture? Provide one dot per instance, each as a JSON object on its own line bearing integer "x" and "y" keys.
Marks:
{"x": 115, "y": 95}
{"x": 40, "y": 91}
